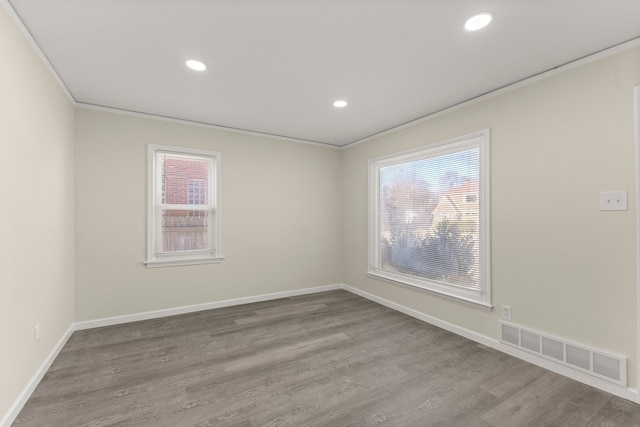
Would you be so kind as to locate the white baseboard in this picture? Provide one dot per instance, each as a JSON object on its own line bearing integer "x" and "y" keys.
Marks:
{"x": 19, "y": 403}
{"x": 127, "y": 318}
{"x": 623, "y": 392}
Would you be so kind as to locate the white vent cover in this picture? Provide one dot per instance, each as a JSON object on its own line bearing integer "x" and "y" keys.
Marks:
{"x": 590, "y": 360}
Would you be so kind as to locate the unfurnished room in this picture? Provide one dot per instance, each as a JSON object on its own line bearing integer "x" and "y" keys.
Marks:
{"x": 319, "y": 213}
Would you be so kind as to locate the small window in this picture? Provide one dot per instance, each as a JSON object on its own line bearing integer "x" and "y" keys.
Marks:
{"x": 429, "y": 218}
{"x": 183, "y": 206}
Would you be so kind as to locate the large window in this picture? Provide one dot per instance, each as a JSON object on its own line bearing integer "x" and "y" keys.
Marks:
{"x": 429, "y": 218}
{"x": 183, "y": 206}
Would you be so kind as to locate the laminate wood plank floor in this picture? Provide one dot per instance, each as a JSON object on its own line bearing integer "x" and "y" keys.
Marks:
{"x": 326, "y": 359}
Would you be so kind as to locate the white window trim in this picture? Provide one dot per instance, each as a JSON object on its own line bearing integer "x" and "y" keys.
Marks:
{"x": 155, "y": 259}
{"x": 481, "y": 298}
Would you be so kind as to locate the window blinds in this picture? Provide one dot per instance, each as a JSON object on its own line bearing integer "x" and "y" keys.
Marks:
{"x": 429, "y": 211}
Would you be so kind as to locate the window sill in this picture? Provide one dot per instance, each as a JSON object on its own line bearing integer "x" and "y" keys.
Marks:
{"x": 178, "y": 262}
{"x": 465, "y": 299}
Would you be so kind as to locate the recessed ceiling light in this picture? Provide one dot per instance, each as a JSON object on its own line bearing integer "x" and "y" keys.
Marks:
{"x": 340, "y": 103}
{"x": 194, "y": 64}
{"x": 478, "y": 21}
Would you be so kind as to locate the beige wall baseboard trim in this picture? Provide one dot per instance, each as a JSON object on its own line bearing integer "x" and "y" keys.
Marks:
{"x": 19, "y": 403}
{"x": 10, "y": 416}
{"x": 623, "y": 392}
{"x": 109, "y": 321}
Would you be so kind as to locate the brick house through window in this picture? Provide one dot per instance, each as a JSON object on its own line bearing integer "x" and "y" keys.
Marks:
{"x": 184, "y": 182}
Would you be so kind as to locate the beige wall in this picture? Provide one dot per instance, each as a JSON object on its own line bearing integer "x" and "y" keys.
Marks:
{"x": 36, "y": 212}
{"x": 281, "y": 217}
{"x": 565, "y": 267}
{"x": 295, "y": 215}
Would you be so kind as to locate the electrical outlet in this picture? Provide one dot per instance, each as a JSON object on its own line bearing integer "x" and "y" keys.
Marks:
{"x": 613, "y": 201}
{"x": 36, "y": 334}
{"x": 357, "y": 272}
{"x": 506, "y": 312}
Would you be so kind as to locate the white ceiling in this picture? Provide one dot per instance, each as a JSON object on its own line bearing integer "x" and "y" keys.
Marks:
{"x": 276, "y": 66}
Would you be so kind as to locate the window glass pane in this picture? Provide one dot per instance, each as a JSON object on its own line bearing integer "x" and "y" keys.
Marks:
{"x": 197, "y": 191}
{"x": 184, "y": 179}
{"x": 429, "y": 218}
{"x": 184, "y": 230}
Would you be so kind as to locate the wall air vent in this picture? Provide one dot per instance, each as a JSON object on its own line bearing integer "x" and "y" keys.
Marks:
{"x": 589, "y": 360}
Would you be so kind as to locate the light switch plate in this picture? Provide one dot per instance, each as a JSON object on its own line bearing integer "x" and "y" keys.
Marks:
{"x": 506, "y": 312}
{"x": 613, "y": 201}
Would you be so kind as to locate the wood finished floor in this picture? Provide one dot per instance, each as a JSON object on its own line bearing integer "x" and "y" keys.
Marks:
{"x": 327, "y": 359}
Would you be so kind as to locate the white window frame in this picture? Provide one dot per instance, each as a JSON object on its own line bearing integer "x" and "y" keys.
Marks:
{"x": 480, "y": 298}
{"x": 155, "y": 205}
